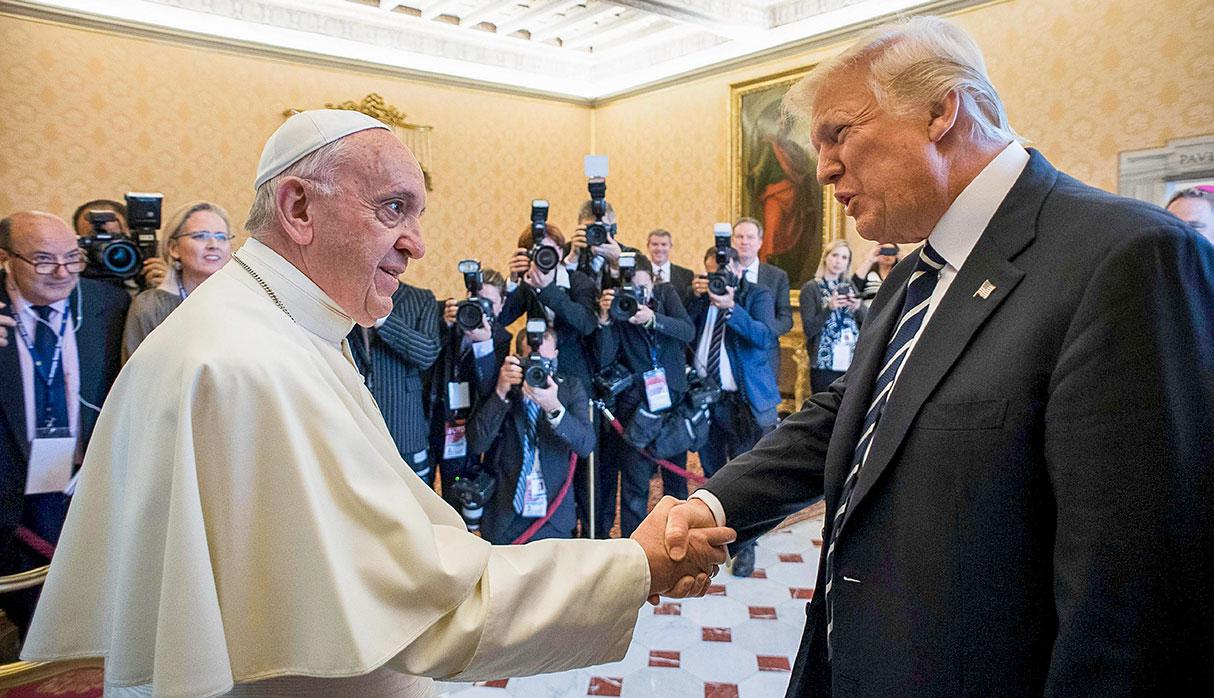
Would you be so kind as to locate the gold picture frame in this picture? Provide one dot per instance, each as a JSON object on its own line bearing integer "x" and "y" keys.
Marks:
{"x": 763, "y": 150}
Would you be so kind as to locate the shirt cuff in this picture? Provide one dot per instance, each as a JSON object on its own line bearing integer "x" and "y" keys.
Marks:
{"x": 511, "y": 286}
{"x": 482, "y": 349}
{"x": 556, "y": 421}
{"x": 714, "y": 504}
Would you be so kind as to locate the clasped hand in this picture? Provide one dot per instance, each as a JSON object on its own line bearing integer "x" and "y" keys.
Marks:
{"x": 684, "y": 550}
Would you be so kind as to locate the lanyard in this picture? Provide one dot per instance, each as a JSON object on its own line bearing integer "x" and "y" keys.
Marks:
{"x": 48, "y": 376}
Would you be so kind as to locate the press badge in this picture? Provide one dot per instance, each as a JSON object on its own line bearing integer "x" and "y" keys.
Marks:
{"x": 455, "y": 443}
{"x": 841, "y": 353}
{"x": 535, "y": 498}
{"x": 51, "y": 459}
{"x": 458, "y": 396}
{"x": 657, "y": 394}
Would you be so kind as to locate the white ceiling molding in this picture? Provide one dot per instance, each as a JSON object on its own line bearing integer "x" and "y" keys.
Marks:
{"x": 581, "y": 50}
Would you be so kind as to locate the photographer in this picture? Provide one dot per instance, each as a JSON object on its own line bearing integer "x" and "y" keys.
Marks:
{"x": 566, "y": 299}
{"x": 392, "y": 356}
{"x": 600, "y": 263}
{"x": 651, "y": 345}
{"x": 198, "y": 244}
{"x": 464, "y": 374}
{"x": 831, "y": 315}
{"x": 154, "y": 270}
{"x": 735, "y": 336}
{"x": 532, "y": 427}
{"x": 873, "y": 269}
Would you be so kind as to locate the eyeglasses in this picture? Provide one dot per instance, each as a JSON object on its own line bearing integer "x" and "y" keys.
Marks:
{"x": 74, "y": 266}
{"x": 204, "y": 235}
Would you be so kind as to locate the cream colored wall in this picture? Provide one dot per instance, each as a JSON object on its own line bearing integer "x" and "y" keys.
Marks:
{"x": 1083, "y": 79}
{"x": 90, "y": 114}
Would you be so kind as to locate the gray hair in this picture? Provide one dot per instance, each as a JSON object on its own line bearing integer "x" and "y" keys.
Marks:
{"x": 912, "y": 64}
{"x": 318, "y": 167}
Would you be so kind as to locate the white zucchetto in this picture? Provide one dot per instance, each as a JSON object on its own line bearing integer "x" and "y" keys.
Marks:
{"x": 306, "y": 132}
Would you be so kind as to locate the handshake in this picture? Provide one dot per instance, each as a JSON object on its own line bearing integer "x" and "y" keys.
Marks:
{"x": 685, "y": 547}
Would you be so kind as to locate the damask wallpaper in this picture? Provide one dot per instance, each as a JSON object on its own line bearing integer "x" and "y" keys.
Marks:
{"x": 90, "y": 114}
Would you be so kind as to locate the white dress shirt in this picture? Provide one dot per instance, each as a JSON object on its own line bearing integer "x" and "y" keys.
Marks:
{"x": 663, "y": 270}
{"x": 954, "y": 237}
{"x": 726, "y": 378}
{"x": 69, "y": 361}
{"x": 751, "y": 271}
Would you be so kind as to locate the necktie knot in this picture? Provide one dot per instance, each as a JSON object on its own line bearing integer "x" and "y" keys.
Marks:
{"x": 43, "y": 311}
{"x": 930, "y": 260}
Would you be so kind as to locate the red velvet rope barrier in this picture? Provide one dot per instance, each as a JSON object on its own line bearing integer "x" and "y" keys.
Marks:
{"x": 681, "y": 472}
{"x": 35, "y": 542}
{"x": 556, "y": 503}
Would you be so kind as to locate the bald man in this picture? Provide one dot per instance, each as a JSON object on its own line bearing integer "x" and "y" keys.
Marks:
{"x": 62, "y": 338}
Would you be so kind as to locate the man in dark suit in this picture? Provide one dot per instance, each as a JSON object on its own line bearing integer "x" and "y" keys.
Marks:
{"x": 547, "y": 425}
{"x": 61, "y": 355}
{"x": 747, "y": 239}
{"x": 659, "y": 244}
{"x": 392, "y": 357}
{"x": 734, "y": 338}
{"x": 1017, "y": 465}
{"x": 651, "y": 345}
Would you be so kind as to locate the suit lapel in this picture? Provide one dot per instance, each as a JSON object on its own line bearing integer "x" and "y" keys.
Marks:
{"x": 12, "y": 399}
{"x": 961, "y": 313}
{"x": 90, "y": 342}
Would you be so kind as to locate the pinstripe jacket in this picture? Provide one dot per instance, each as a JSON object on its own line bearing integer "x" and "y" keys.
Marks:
{"x": 392, "y": 359}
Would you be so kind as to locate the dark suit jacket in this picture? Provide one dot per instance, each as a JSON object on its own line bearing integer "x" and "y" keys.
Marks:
{"x": 401, "y": 351}
{"x": 680, "y": 279}
{"x": 497, "y": 427}
{"x": 99, "y": 347}
{"x": 672, "y": 333}
{"x": 748, "y": 341}
{"x": 574, "y": 309}
{"x": 775, "y": 279}
{"x": 460, "y": 363}
{"x": 1035, "y": 516}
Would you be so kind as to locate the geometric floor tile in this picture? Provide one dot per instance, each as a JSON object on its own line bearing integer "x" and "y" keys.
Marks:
{"x": 738, "y": 642}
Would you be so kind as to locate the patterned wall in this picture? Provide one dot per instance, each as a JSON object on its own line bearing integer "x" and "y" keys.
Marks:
{"x": 89, "y": 114}
{"x": 1083, "y": 79}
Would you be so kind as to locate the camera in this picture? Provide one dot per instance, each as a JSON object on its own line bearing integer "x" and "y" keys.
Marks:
{"x": 628, "y": 298}
{"x": 537, "y": 369}
{"x": 845, "y": 289}
{"x": 611, "y": 381}
{"x": 472, "y": 493}
{"x": 115, "y": 255}
{"x": 472, "y": 312}
{"x": 597, "y": 233}
{"x": 888, "y": 251}
{"x": 544, "y": 257}
{"x": 721, "y": 280}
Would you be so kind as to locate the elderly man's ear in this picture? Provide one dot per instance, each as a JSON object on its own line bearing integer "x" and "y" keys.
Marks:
{"x": 944, "y": 116}
{"x": 292, "y": 196}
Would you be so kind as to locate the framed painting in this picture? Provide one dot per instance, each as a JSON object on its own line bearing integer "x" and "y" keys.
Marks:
{"x": 773, "y": 178}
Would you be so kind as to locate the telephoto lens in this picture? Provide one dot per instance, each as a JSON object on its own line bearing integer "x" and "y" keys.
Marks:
{"x": 625, "y": 304}
{"x": 109, "y": 255}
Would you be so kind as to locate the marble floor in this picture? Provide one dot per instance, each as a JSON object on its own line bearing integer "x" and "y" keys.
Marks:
{"x": 737, "y": 642}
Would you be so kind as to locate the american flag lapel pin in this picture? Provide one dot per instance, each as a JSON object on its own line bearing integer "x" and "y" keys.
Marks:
{"x": 985, "y": 290}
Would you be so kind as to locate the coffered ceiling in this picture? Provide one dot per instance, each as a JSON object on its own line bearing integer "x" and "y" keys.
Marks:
{"x": 580, "y": 49}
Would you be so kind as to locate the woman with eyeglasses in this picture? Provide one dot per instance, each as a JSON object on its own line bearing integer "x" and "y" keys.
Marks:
{"x": 199, "y": 243}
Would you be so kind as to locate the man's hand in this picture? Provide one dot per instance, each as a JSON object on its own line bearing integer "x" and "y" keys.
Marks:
{"x": 539, "y": 280}
{"x": 449, "y": 307}
{"x": 609, "y": 251}
{"x": 835, "y": 301}
{"x": 510, "y": 376}
{"x": 544, "y": 397}
{"x": 519, "y": 264}
{"x": 699, "y": 285}
{"x": 703, "y": 551}
{"x": 482, "y": 333}
{"x": 724, "y": 302}
{"x": 154, "y": 271}
{"x": 682, "y": 519}
{"x": 6, "y": 321}
{"x": 605, "y": 305}
{"x": 642, "y": 316}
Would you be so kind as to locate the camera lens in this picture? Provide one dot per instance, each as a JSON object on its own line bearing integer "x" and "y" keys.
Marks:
{"x": 545, "y": 258}
{"x": 120, "y": 258}
{"x": 469, "y": 315}
{"x": 596, "y": 234}
{"x": 624, "y": 305}
{"x": 717, "y": 285}
{"x": 536, "y": 376}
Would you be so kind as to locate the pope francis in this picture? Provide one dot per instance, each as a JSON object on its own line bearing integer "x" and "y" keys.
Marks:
{"x": 244, "y": 524}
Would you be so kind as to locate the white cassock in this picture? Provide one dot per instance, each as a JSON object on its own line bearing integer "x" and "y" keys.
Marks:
{"x": 243, "y": 514}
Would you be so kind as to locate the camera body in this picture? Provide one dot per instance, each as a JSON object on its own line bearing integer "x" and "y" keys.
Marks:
{"x": 544, "y": 257}
{"x": 472, "y": 493}
{"x": 721, "y": 280}
{"x": 537, "y": 369}
{"x": 611, "y": 381}
{"x": 628, "y": 298}
{"x": 845, "y": 289}
{"x": 598, "y": 232}
{"x": 472, "y": 312}
{"x": 888, "y": 251}
{"x": 109, "y": 255}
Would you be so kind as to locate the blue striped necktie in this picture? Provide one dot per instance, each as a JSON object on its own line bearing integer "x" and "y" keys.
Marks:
{"x": 529, "y": 446}
{"x": 914, "y": 308}
{"x": 51, "y": 396}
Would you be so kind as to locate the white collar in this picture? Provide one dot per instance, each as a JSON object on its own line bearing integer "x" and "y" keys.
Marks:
{"x": 963, "y": 223}
{"x": 311, "y": 307}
